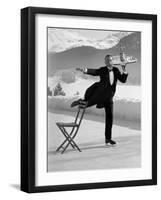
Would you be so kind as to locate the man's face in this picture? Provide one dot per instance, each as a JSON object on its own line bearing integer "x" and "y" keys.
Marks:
{"x": 108, "y": 61}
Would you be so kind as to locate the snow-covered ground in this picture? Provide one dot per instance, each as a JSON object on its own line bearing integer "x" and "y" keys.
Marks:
{"x": 90, "y": 139}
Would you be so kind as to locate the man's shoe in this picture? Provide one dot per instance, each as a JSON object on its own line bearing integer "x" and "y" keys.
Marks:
{"x": 110, "y": 142}
{"x": 82, "y": 102}
{"x": 79, "y": 102}
{"x": 75, "y": 103}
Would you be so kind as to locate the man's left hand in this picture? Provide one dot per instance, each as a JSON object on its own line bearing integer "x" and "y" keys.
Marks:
{"x": 124, "y": 68}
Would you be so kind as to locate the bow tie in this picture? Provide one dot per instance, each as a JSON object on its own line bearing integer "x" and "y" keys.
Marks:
{"x": 110, "y": 70}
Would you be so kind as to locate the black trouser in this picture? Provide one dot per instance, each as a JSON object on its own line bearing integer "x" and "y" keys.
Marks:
{"x": 91, "y": 95}
{"x": 108, "y": 120}
{"x": 92, "y": 99}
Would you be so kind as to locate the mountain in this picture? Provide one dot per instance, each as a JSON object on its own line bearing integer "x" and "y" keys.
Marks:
{"x": 90, "y": 57}
{"x": 60, "y": 40}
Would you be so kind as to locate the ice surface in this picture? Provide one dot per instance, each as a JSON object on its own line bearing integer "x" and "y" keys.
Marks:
{"x": 90, "y": 139}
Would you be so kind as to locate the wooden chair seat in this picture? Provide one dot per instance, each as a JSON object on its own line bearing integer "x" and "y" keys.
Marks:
{"x": 72, "y": 124}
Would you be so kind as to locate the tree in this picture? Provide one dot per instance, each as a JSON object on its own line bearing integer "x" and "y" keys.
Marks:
{"x": 58, "y": 90}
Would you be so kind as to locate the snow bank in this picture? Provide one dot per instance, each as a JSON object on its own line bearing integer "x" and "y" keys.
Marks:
{"x": 123, "y": 109}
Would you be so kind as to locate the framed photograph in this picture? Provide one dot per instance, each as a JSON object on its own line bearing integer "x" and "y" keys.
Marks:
{"x": 88, "y": 99}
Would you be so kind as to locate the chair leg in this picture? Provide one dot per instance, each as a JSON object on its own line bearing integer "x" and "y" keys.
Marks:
{"x": 67, "y": 136}
{"x": 70, "y": 141}
{"x": 67, "y": 147}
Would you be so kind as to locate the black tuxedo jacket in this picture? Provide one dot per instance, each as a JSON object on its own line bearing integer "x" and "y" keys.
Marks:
{"x": 103, "y": 91}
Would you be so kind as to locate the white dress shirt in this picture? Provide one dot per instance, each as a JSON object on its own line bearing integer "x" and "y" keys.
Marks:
{"x": 111, "y": 77}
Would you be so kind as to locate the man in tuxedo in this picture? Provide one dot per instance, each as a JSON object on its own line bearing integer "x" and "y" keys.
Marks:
{"x": 101, "y": 93}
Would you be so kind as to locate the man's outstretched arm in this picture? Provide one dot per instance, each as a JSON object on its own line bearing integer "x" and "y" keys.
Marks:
{"x": 93, "y": 72}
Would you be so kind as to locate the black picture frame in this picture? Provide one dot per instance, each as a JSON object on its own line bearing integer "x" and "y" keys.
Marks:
{"x": 28, "y": 98}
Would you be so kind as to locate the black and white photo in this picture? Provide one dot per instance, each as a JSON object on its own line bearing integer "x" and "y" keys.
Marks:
{"x": 84, "y": 67}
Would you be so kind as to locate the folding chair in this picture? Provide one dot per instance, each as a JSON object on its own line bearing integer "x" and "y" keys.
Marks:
{"x": 69, "y": 137}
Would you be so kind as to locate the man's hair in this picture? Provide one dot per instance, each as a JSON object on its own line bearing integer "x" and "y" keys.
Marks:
{"x": 107, "y": 56}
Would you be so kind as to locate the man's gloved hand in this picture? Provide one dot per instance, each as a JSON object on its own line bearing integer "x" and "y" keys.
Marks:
{"x": 79, "y": 69}
{"x": 124, "y": 68}
{"x": 84, "y": 70}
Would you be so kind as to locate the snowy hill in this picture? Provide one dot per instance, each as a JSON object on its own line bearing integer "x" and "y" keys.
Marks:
{"x": 60, "y": 40}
